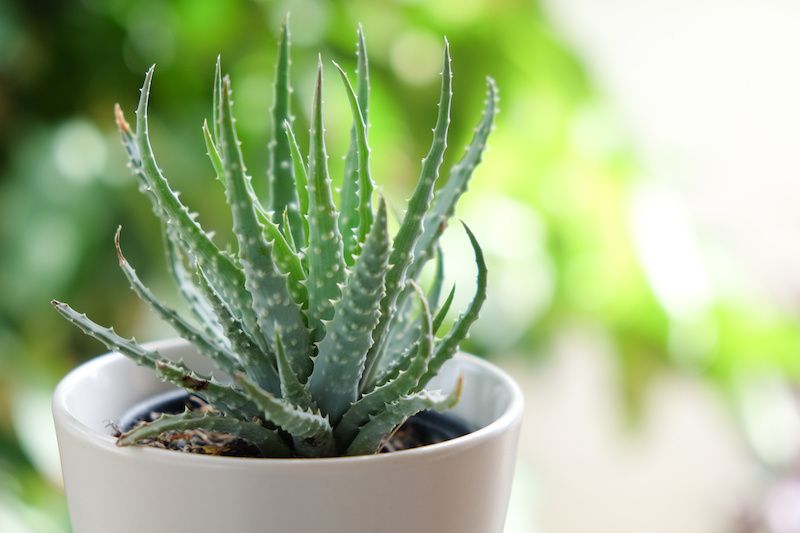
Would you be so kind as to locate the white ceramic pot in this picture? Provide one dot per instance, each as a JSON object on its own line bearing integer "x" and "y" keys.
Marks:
{"x": 458, "y": 486}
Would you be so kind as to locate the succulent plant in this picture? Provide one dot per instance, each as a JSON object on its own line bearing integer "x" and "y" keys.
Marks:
{"x": 324, "y": 337}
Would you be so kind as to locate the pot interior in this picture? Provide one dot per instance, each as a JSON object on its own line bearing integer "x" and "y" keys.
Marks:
{"x": 101, "y": 391}
{"x": 425, "y": 428}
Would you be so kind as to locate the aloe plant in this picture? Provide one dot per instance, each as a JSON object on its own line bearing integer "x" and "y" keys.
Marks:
{"x": 318, "y": 323}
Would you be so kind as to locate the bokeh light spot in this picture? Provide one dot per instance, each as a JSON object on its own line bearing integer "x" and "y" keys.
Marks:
{"x": 309, "y": 19}
{"x": 79, "y": 151}
{"x": 415, "y": 57}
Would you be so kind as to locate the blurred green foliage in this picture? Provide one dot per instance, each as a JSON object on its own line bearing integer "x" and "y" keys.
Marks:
{"x": 551, "y": 202}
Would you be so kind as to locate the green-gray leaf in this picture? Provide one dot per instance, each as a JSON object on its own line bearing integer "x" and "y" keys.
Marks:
{"x": 291, "y": 389}
{"x": 257, "y": 364}
{"x": 374, "y": 433}
{"x": 448, "y": 346}
{"x": 405, "y": 382}
{"x": 268, "y": 442}
{"x": 411, "y": 227}
{"x": 286, "y": 258}
{"x": 338, "y": 367}
{"x": 326, "y": 268}
{"x": 191, "y": 294}
{"x": 301, "y": 179}
{"x": 223, "y": 274}
{"x": 281, "y": 173}
{"x": 300, "y": 423}
{"x": 220, "y": 354}
{"x": 220, "y": 396}
{"x": 446, "y": 199}
{"x": 356, "y": 196}
{"x": 267, "y": 286}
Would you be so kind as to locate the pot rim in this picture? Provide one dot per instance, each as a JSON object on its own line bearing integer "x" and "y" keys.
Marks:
{"x": 509, "y": 418}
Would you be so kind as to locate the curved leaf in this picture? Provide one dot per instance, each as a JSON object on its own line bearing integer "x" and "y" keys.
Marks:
{"x": 191, "y": 294}
{"x": 286, "y": 258}
{"x": 326, "y": 268}
{"x": 411, "y": 227}
{"x": 338, "y": 367}
{"x": 405, "y": 382}
{"x": 312, "y": 428}
{"x": 291, "y": 389}
{"x": 268, "y": 442}
{"x": 222, "y": 356}
{"x": 272, "y": 303}
{"x": 446, "y": 199}
{"x": 281, "y": 173}
{"x": 221, "y": 396}
{"x": 301, "y": 179}
{"x": 257, "y": 364}
{"x": 223, "y": 274}
{"x": 447, "y": 347}
{"x": 357, "y": 186}
{"x": 381, "y": 426}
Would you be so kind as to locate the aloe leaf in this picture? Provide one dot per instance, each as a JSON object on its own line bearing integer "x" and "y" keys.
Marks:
{"x": 213, "y": 153}
{"x": 268, "y": 287}
{"x": 286, "y": 258}
{"x": 406, "y": 322}
{"x": 374, "y": 433}
{"x": 448, "y": 346}
{"x": 216, "y": 99}
{"x": 200, "y": 308}
{"x": 281, "y": 173}
{"x": 312, "y": 428}
{"x": 110, "y": 338}
{"x": 221, "y": 355}
{"x": 362, "y": 74}
{"x": 405, "y": 382}
{"x": 398, "y": 362}
{"x": 340, "y": 362}
{"x": 411, "y": 226}
{"x": 291, "y": 389}
{"x": 326, "y": 268}
{"x": 441, "y": 314}
{"x": 223, "y": 274}
{"x": 447, "y": 197}
{"x": 443, "y": 208}
{"x": 300, "y": 177}
{"x": 404, "y": 330}
{"x": 268, "y": 442}
{"x": 257, "y": 363}
{"x": 402, "y": 343}
{"x": 366, "y": 185}
{"x": 402, "y": 335}
{"x": 288, "y": 234}
{"x": 435, "y": 291}
{"x": 357, "y": 186}
{"x": 223, "y": 397}
{"x": 220, "y": 396}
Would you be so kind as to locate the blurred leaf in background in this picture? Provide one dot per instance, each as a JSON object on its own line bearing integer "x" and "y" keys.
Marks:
{"x": 571, "y": 237}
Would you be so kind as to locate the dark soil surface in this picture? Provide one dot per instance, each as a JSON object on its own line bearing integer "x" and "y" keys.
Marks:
{"x": 425, "y": 428}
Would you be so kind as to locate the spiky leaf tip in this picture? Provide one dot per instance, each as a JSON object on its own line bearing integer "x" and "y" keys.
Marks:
{"x": 326, "y": 267}
{"x": 447, "y": 347}
{"x": 411, "y": 227}
{"x": 217, "y": 350}
{"x": 268, "y": 287}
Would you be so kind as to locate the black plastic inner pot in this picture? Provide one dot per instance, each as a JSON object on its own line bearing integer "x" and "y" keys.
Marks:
{"x": 427, "y": 427}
